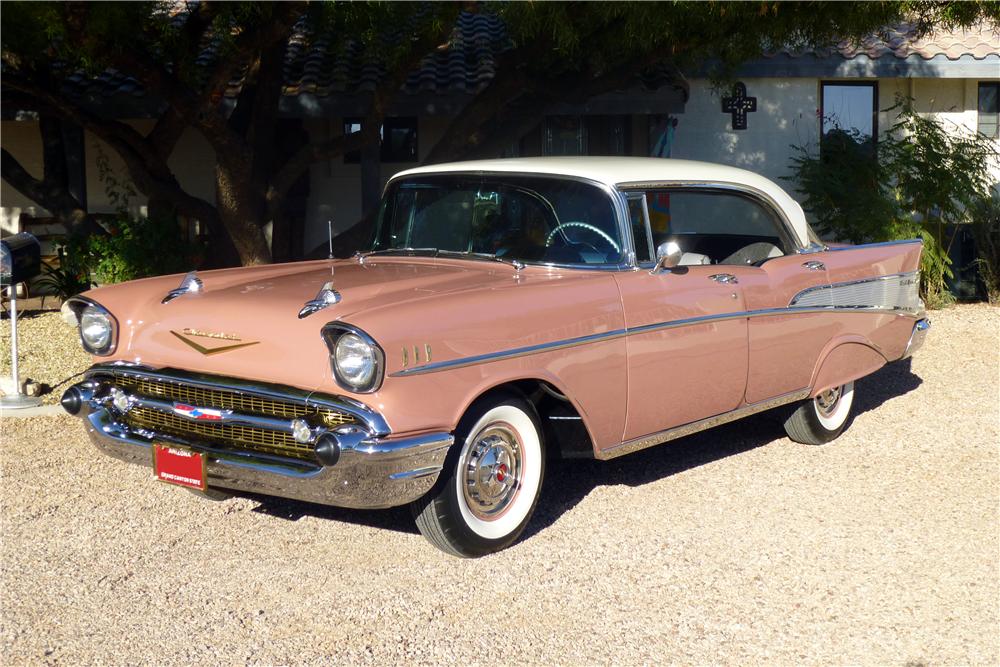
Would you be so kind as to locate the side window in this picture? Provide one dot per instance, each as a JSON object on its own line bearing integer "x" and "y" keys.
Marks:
{"x": 716, "y": 226}
{"x": 640, "y": 229}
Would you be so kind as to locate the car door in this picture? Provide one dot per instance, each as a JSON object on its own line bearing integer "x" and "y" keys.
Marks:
{"x": 744, "y": 236}
{"x": 687, "y": 338}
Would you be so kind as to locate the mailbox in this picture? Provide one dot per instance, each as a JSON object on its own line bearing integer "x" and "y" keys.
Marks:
{"x": 20, "y": 258}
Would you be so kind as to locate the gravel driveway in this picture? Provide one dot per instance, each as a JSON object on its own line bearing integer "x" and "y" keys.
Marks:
{"x": 732, "y": 546}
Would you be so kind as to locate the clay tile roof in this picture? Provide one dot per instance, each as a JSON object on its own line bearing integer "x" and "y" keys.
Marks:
{"x": 900, "y": 41}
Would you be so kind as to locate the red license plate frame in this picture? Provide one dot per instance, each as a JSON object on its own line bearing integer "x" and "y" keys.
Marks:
{"x": 180, "y": 466}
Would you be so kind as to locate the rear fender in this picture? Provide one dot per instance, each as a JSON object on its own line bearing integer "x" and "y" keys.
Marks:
{"x": 844, "y": 360}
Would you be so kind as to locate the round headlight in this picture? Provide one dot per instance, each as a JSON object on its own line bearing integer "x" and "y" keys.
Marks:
{"x": 95, "y": 329}
{"x": 356, "y": 361}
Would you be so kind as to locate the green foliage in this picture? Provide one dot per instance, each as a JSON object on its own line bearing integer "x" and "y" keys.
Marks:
{"x": 135, "y": 246}
{"x": 986, "y": 230}
{"x": 67, "y": 278}
{"x": 921, "y": 176}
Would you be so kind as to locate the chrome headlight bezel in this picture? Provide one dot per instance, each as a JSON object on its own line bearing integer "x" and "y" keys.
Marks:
{"x": 82, "y": 306}
{"x": 333, "y": 334}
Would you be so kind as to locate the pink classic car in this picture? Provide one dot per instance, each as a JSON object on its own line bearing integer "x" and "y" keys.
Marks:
{"x": 508, "y": 311}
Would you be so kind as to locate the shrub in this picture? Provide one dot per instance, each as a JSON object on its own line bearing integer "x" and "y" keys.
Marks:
{"x": 135, "y": 246}
{"x": 919, "y": 177}
{"x": 986, "y": 230}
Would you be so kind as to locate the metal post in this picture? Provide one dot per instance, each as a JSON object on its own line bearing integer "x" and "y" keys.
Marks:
{"x": 16, "y": 400}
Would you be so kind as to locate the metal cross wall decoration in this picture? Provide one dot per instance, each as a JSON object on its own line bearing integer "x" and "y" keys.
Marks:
{"x": 739, "y": 105}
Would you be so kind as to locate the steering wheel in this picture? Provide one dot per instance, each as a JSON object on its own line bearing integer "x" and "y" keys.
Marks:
{"x": 584, "y": 225}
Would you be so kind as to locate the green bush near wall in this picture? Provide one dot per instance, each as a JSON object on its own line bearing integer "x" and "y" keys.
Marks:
{"x": 920, "y": 176}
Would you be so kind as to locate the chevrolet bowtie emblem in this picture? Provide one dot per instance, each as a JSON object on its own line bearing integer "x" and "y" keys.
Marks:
{"x": 186, "y": 335}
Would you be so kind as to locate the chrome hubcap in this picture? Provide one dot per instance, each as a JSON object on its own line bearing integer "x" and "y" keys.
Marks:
{"x": 827, "y": 402}
{"x": 492, "y": 472}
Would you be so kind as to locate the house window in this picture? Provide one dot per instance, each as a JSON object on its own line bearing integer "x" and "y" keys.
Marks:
{"x": 397, "y": 136}
{"x": 850, "y": 108}
{"x": 399, "y": 140}
{"x": 587, "y": 135}
{"x": 564, "y": 135}
{"x": 989, "y": 109}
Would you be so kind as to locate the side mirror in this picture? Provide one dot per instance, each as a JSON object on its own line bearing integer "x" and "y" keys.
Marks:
{"x": 668, "y": 255}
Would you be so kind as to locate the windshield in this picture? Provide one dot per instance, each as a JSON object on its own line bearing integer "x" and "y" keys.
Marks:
{"x": 528, "y": 219}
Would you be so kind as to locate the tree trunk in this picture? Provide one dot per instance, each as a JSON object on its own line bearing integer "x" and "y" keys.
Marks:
{"x": 241, "y": 212}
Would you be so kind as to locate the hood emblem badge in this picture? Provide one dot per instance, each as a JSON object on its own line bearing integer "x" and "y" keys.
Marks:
{"x": 190, "y": 284}
{"x": 327, "y": 296}
{"x": 185, "y": 336}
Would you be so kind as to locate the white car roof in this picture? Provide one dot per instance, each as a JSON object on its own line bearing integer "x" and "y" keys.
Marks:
{"x": 618, "y": 171}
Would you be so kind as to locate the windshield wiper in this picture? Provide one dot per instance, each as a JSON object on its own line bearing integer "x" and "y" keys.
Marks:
{"x": 481, "y": 256}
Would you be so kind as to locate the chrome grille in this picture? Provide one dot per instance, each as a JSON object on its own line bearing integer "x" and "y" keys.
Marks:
{"x": 231, "y": 436}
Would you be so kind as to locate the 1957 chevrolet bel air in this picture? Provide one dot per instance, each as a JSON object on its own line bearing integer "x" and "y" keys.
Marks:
{"x": 508, "y": 310}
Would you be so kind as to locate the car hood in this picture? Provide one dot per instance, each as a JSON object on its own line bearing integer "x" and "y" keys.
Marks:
{"x": 244, "y": 322}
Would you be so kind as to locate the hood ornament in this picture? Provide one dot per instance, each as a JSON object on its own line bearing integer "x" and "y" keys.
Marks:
{"x": 190, "y": 284}
{"x": 327, "y": 296}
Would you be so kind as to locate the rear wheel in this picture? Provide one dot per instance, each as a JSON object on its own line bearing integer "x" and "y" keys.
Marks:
{"x": 821, "y": 419}
{"x": 491, "y": 481}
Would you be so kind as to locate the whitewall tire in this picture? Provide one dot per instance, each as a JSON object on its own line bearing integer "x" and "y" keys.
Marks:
{"x": 821, "y": 419}
{"x": 491, "y": 481}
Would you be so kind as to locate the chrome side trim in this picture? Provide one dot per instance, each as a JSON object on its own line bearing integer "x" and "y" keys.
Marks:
{"x": 373, "y": 421}
{"x": 874, "y": 245}
{"x": 897, "y": 291}
{"x": 509, "y": 354}
{"x": 645, "y": 441}
{"x": 646, "y": 328}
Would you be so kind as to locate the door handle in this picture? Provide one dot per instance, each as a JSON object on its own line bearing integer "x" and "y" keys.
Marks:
{"x": 813, "y": 265}
{"x": 724, "y": 278}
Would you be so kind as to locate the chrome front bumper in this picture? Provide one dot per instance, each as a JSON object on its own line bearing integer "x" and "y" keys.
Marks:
{"x": 374, "y": 470}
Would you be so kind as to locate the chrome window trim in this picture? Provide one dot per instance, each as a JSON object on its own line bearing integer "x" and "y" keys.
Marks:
{"x": 761, "y": 196}
{"x": 617, "y": 203}
{"x": 646, "y": 328}
{"x": 373, "y": 421}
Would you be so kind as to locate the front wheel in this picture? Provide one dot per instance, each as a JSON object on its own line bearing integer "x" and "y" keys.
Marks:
{"x": 491, "y": 481}
{"x": 821, "y": 419}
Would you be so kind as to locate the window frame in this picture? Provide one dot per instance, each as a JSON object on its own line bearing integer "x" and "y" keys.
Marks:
{"x": 387, "y": 124}
{"x": 979, "y": 88}
{"x": 783, "y": 226}
{"x": 873, "y": 84}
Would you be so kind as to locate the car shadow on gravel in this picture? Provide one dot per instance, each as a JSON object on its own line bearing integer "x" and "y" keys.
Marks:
{"x": 567, "y": 482}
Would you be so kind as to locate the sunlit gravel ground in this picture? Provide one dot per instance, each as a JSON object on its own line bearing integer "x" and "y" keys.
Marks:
{"x": 735, "y": 546}
{"x": 49, "y": 350}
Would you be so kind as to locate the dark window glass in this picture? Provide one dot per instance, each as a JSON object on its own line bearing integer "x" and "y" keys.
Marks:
{"x": 640, "y": 233}
{"x": 352, "y": 125}
{"x": 714, "y": 227}
{"x": 545, "y": 220}
{"x": 399, "y": 140}
{"x": 989, "y": 109}
{"x": 851, "y": 109}
{"x": 397, "y": 136}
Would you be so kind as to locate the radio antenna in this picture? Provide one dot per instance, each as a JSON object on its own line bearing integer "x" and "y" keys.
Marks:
{"x": 329, "y": 234}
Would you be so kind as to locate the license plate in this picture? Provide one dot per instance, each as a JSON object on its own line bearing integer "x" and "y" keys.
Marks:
{"x": 180, "y": 466}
